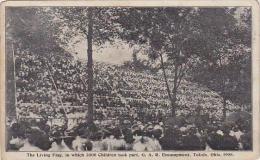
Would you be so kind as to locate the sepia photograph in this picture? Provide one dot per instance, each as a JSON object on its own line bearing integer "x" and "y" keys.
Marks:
{"x": 127, "y": 78}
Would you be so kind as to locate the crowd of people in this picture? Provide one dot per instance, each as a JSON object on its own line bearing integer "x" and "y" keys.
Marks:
{"x": 137, "y": 136}
{"x": 51, "y": 93}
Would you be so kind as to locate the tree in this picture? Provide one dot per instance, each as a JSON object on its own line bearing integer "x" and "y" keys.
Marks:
{"x": 164, "y": 30}
{"x": 94, "y": 24}
{"x": 26, "y": 30}
{"x": 225, "y": 55}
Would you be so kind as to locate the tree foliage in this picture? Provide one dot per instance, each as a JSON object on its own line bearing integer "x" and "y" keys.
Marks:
{"x": 28, "y": 29}
{"x": 95, "y": 25}
{"x": 208, "y": 45}
{"x": 225, "y": 54}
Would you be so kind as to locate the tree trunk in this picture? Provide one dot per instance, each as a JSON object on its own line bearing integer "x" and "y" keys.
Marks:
{"x": 10, "y": 81}
{"x": 90, "y": 66}
{"x": 224, "y": 110}
{"x": 167, "y": 85}
{"x": 174, "y": 91}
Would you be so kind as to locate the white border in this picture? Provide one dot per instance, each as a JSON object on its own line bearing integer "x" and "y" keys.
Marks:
{"x": 243, "y": 155}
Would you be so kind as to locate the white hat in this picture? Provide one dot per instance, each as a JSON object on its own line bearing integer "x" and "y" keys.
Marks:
{"x": 183, "y": 129}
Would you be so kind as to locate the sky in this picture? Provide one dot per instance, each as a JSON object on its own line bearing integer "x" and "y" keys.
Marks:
{"x": 114, "y": 54}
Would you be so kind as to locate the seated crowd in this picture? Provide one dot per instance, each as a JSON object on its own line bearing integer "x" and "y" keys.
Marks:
{"x": 130, "y": 110}
{"x": 59, "y": 80}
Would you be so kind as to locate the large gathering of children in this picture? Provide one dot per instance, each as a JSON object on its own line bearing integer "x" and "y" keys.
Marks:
{"x": 131, "y": 111}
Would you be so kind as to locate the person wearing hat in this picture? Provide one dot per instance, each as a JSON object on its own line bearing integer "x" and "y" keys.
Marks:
{"x": 58, "y": 144}
{"x": 15, "y": 143}
{"x": 137, "y": 131}
{"x": 114, "y": 141}
{"x": 141, "y": 144}
{"x": 228, "y": 142}
{"x": 214, "y": 139}
{"x": 96, "y": 141}
{"x": 159, "y": 125}
{"x": 148, "y": 130}
{"x": 145, "y": 144}
{"x": 168, "y": 141}
{"x": 154, "y": 142}
{"x": 192, "y": 141}
{"x": 30, "y": 143}
{"x": 28, "y": 146}
{"x": 246, "y": 141}
{"x": 79, "y": 144}
{"x": 129, "y": 139}
{"x": 236, "y": 132}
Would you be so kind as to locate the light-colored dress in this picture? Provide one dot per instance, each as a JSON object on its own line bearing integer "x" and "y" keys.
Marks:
{"x": 78, "y": 144}
{"x": 59, "y": 148}
{"x": 28, "y": 147}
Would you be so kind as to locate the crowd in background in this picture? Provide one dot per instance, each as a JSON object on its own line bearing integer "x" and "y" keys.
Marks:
{"x": 131, "y": 110}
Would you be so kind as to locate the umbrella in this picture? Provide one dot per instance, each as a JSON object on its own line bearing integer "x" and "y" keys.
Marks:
{"x": 238, "y": 116}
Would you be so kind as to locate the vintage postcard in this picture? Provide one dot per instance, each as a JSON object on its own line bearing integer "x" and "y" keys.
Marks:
{"x": 130, "y": 80}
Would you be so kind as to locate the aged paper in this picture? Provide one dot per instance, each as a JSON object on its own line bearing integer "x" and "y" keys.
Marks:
{"x": 130, "y": 79}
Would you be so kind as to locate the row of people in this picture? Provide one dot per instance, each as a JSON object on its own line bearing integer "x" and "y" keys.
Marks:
{"x": 125, "y": 86}
{"x": 128, "y": 136}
